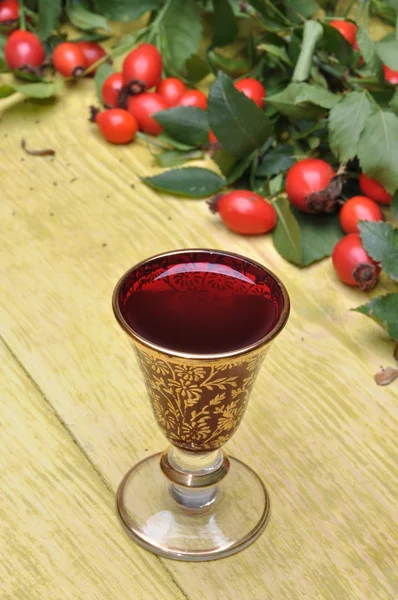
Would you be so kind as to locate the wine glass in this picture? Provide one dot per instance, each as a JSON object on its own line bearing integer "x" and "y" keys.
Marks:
{"x": 201, "y": 322}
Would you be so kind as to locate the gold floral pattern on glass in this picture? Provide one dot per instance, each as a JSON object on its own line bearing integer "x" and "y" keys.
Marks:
{"x": 199, "y": 407}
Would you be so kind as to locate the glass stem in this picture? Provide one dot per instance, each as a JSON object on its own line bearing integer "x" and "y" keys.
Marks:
{"x": 194, "y": 476}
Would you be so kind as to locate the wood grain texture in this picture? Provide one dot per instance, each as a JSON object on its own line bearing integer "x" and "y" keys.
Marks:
{"x": 59, "y": 536}
{"x": 318, "y": 429}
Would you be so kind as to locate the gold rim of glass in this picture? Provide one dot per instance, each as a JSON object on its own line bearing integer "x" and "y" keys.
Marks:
{"x": 279, "y": 325}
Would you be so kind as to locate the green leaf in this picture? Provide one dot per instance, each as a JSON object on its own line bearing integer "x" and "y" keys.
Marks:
{"x": 186, "y": 124}
{"x": 384, "y": 311}
{"x": 84, "y": 19}
{"x": 230, "y": 65}
{"x": 368, "y": 50}
{"x": 387, "y": 51}
{"x": 380, "y": 241}
{"x": 39, "y": 90}
{"x": 336, "y": 44}
{"x": 6, "y": 90}
{"x": 378, "y": 149}
{"x": 394, "y": 103}
{"x": 175, "y": 158}
{"x": 196, "y": 68}
{"x": 286, "y": 235}
{"x": 296, "y": 9}
{"x": 236, "y": 121}
{"x": 303, "y": 101}
{"x": 225, "y": 28}
{"x": 239, "y": 168}
{"x": 394, "y": 205}
{"x": 276, "y": 160}
{"x": 192, "y": 182}
{"x": 346, "y": 122}
{"x": 102, "y": 73}
{"x": 125, "y": 10}
{"x": 125, "y": 44}
{"x": 181, "y": 31}
{"x": 163, "y": 137}
{"x": 319, "y": 235}
{"x": 303, "y": 239}
{"x": 313, "y": 32}
{"x": 278, "y": 52}
{"x": 49, "y": 13}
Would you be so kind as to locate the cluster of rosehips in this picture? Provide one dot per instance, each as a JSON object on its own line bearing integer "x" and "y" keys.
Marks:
{"x": 24, "y": 51}
{"x": 132, "y": 97}
{"x": 313, "y": 176}
{"x": 246, "y": 212}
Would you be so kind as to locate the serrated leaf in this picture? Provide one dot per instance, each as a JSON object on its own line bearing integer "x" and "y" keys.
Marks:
{"x": 384, "y": 311}
{"x": 378, "y": 149}
{"x": 186, "y": 124}
{"x": 49, "y": 13}
{"x": 39, "y": 90}
{"x": 175, "y": 158}
{"x": 82, "y": 18}
{"x": 192, "y": 182}
{"x": 380, "y": 241}
{"x": 181, "y": 31}
{"x": 286, "y": 235}
{"x": 6, "y": 90}
{"x": 102, "y": 73}
{"x": 225, "y": 28}
{"x": 319, "y": 235}
{"x": 387, "y": 51}
{"x": 303, "y": 101}
{"x": 237, "y": 122}
{"x": 276, "y": 160}
{"x": 313, "y": 32}
{"x": 125, "y": 10}
{"x": 394, "y": 205}
{"x": 368, "y": 50}
{"x": 303, "y": 239}
{"x": 346, "y": 122}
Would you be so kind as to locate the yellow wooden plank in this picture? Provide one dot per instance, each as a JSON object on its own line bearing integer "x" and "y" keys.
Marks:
{"x": 318, "y": 429}
{"x": 59, "y": 536}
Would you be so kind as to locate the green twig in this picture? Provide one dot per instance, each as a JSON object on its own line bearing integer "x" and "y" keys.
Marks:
{"x": 348, "y": 9}
{"x": 22, "y": 16}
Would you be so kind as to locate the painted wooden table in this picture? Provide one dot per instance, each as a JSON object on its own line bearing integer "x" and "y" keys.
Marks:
{"x": 74, "y": 415}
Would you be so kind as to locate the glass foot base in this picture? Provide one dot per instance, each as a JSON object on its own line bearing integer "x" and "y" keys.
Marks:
{"x": 235, "y": 516}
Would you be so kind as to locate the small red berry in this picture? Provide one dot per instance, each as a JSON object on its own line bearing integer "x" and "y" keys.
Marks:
{"x": 305, "y": 180}
{"x": 111, "y": 89}
{"x": 352, "y": 263}
{"x": 9, "y": 12}
{"x": 23, "y": 49}
{"x": 142, "y": 68}
{"x": 193, "y": 98}
{"x": 171, "y": 89}
{"x": 390, "y": 75}
{"x": 91, "y": 53}
{"x": 373, "y": 189}
{"x": 117, "y": 125}
{"x": 358, "y": 208}
{"x": 143, "y": 106}
{"x": 253, "y": 89}
{"x": 245, "y": 212}
{"x": 347, "y": 29}
{"x": 68, "y": 59}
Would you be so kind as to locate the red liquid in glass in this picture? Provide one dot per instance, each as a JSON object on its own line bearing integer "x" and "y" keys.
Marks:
{"x": 200, "y": 307}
